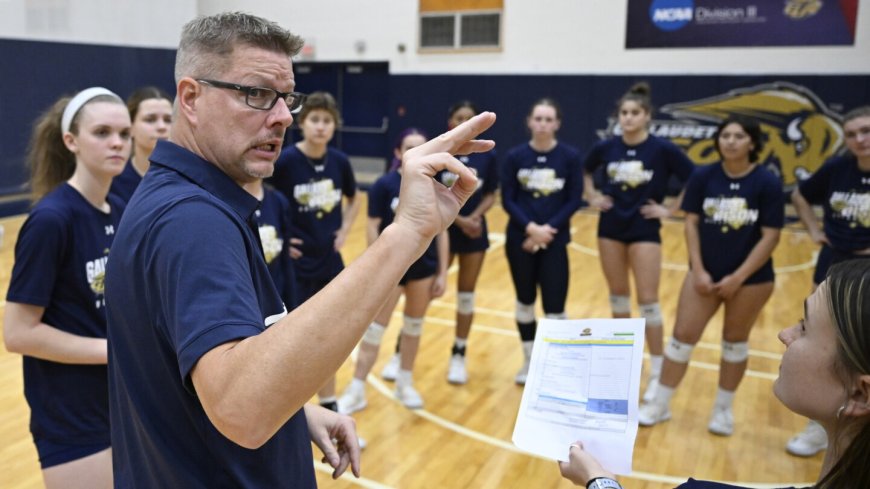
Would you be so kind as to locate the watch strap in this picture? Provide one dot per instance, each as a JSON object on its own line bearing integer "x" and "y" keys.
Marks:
{"x": 603, "y": 483}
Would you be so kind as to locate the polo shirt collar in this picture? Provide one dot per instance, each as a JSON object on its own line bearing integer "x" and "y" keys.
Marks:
{"x": 205, "y": 174}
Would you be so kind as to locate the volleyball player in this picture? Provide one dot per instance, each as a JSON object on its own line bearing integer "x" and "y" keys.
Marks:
{"x": 637, "y": 167}
{"x": 542, "y": 186}
{"x": 734, "y": 213}
{"x": 55, "y": 310}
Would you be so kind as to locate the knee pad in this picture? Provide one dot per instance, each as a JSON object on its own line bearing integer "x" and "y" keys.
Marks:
{"x": 412, "y": 326}
{"x": 525, "y": 313}
{"x": 735, "y": 352}
{"x": 556, "y": 315}
{"x": 374, "y": 334}
{"x": 678, "y": 352}
{"x": 652, "y": 313}
{"x": 465, "y": 302}
{"x": 620, "y": 304}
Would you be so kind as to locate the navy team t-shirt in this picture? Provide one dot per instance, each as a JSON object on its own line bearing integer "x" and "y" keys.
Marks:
{"x": 383, "y": 200}
{"x": 273, "y": 220}
{"x": 60, "y": 263}
{"x": 485, "y": 166}
{"x": 633, "y": 176}
{"x": 315, "y": 189}
{"x": 545, "y": 188}
{"x": 731, "y": 213}
{"x": 844, "y": 192}
{"x": 125, "y": 184}
{"x": 186, "y": 275}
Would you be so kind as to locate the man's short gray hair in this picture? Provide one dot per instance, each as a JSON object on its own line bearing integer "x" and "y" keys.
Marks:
{"x": 208, "y": 41}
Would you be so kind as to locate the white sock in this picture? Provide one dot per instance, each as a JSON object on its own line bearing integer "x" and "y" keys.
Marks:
{"x": 527, "y": 349}
{"x": 664, "y": 394}
{"x": 724, "y": 399}
{"x": 404, "y": 377}
{"x": 461, "y": 342}
{"x": 357, "y": 385}
{"x": 655, "y": 362}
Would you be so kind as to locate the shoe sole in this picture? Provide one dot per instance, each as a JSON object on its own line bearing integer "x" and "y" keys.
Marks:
{"x": 354, "y": 409}
{"x": 805, "y": 454}
{"x": 720, "y": 433}
{"x": 664, "y": 418}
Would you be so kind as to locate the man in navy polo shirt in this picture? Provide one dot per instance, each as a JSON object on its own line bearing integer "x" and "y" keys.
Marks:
{"x": 208, "y": 374}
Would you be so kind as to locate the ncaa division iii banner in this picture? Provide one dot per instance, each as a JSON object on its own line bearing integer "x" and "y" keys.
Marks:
{"x": 722, "y": 23}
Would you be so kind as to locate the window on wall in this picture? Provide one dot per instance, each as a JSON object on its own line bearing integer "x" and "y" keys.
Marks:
{"x": 460, "y": 25}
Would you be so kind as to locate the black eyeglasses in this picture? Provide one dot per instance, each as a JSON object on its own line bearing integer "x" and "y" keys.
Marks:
{"x": 262, "y": 98}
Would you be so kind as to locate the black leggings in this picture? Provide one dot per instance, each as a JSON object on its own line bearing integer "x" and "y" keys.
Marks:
{"x": 548, "y": 268}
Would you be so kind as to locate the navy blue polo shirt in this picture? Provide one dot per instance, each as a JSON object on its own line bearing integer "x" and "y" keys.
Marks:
{"x": 843, "y": 190}
{"x": 188, "y": 275}
{"x": 315, "y": 188}
{"x": 731, "y": 213}
{"x": 60, "y": 263}
{"x": 545, "y": 188}
{"x": 634, "y": 175}
{"x": 125, "y": 184}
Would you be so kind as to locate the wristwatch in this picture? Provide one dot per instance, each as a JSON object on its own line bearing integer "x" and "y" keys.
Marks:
{"x": 603, "y": 483}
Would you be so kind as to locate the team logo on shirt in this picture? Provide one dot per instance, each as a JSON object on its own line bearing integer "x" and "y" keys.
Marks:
{"x": 801, "y": 9}
{"x": 449, "y": 178}
{"x": 800, "y": 130}
{"x": 853, "y": 207}
{"x": 540, "y": 181}
{"x": 628, "y": 173}
{"x": 320, "y": 197}
{"x": 272, "y": 244}
{"x": 730, "y": 212}
{"x": 95, "y": 271}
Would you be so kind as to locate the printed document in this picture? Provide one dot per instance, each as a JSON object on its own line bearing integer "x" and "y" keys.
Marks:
{"x": 583, "y": 384}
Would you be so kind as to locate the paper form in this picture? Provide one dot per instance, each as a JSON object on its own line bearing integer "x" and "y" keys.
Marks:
{"x": 583, "y": 384}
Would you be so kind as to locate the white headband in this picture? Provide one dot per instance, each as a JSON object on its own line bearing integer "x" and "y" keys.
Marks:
{"x": 76, "y": 103}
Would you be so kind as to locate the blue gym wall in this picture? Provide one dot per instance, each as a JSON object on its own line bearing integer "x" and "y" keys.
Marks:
{"x": 35, "y": 73}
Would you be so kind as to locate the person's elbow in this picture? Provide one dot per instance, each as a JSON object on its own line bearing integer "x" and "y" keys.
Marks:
{"x": 239, "y": 424}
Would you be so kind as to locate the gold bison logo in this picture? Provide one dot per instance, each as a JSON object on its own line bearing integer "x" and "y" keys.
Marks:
{"x": 800, "y": 132}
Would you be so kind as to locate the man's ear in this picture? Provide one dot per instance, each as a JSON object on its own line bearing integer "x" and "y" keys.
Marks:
{"x": 859, "y": 401}
{"x": 189, "y": 91}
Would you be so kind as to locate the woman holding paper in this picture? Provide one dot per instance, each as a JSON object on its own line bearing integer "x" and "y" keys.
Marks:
{"x": 734, "y": 213}
{"x": 824, "y": 375}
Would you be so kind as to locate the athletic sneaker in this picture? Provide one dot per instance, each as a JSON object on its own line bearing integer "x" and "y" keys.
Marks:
{"x": 362, "y": 443}
{"x": 408, "y": 395}
{"x": 457, "y": 374}
{"x": 520, "y": 379}
{"x": 391, "y": 369}
{"x": 351, "y": 401}
{"x": 721, "y": 421}
{"x": 653, "y": 413}
{"x": 808, "y": 442}
{"x": 649, "y": 394}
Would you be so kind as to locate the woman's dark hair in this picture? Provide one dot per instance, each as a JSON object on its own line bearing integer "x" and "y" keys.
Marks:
{"x": 397, "y": 162}
{"x": 641, "y": 93}
{"x": 142, "y": 94}
{"x": 320, "y": 101}
{"x": 750, "y": 127}
{"x": 848, "y": 297}
{"x": 546, "y": 101}
{"x": 462, "y": 104}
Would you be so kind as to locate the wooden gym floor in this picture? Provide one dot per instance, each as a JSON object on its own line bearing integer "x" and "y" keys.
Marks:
{"x": 461, "y": 439}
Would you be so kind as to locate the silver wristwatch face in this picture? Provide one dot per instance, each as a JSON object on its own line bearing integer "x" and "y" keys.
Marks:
{"x": 604, "y": 483}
